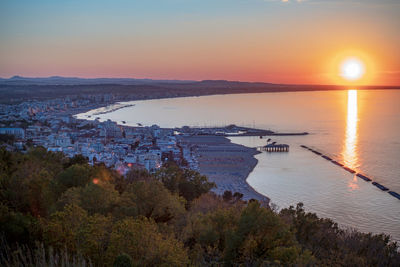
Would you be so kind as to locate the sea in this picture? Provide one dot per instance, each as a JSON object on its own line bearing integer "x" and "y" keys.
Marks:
{"x": 359, "y": 128}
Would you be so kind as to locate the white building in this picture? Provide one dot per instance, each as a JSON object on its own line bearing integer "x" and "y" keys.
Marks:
{"x": 17, "y": 132}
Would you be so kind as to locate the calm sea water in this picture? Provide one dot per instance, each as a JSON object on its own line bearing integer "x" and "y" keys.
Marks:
{"x": 358, "y": 128}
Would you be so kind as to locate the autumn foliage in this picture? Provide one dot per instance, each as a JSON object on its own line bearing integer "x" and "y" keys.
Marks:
{"x": 63, "y": 212}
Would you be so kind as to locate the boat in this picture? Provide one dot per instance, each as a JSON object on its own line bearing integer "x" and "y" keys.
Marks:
{"x": 381, "y": 187}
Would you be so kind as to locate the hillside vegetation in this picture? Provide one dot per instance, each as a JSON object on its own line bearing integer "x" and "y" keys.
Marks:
{"x": 63, "y": 212}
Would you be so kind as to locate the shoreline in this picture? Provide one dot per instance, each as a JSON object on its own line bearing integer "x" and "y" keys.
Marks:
{"x": 238, "y": 162}
{"x": 226, "y": 164}
{"x": 187, "y": 95}
{"x": 231, "y": 175}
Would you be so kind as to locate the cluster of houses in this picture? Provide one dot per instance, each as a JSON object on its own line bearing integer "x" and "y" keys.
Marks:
{"x": 52, "y": 124}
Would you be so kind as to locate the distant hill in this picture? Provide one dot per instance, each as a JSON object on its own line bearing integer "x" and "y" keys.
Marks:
{"x": 18, "y": 89}
{"x": 59, "y": 80}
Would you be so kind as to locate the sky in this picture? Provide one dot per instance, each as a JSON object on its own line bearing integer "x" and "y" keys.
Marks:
{"x": 289, "y": 41}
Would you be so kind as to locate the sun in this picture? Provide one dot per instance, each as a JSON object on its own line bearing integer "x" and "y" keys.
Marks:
{"x": 352, "y": 69}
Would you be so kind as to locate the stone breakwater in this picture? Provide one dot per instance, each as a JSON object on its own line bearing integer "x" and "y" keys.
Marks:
{"x": 226, "y": 164}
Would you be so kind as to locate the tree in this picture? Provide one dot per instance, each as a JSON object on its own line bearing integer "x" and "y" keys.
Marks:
{"x": 27, "y": 189}
{"x": 134, "y": 175}
{"x": 244, "y": 235}
{"x": 123, "y": 260}
{"x": 261, "y": 236}
{"x": 152, "y": 200}
{"x": 74, "y": 176}
{"x": 73, "y": 229}
{"x": 16, "y": 226}
{"x": 7, "y": 138}
{"x": 141, "y": 240}
{"x": 331, "y": 245}
{"x": 227, "y": 196}
{"x": 94, "y": 198}
{"x": 187, "y": 183}
{"x": 76, "y": 159}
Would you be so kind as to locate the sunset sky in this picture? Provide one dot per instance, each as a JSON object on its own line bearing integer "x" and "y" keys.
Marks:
{"x": 289, "y": 41}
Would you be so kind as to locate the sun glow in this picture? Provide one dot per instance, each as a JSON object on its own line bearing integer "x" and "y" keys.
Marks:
{"x": 352, "y": 69}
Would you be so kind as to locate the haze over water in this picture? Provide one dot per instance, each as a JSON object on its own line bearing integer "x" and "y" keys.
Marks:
{"x": 358, "y": 128}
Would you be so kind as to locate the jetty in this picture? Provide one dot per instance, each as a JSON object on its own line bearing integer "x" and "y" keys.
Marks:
{"x": 274, "y": 148}
{"x": 381, "y": 187}
{"x": 337, "y": 163}
{"x": 326, "y": 157}
{"x": 365, "y": 178}
{"x": 348, "y": 169}
{"x": 231, "y": 130}
{"x": 396, "y": 195}
{"x": 359, "y": 175}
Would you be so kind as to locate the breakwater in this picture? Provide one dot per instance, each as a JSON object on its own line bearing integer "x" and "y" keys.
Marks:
{"x": 359, "y": 175}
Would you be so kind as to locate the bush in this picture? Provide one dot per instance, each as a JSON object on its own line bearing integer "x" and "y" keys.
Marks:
{"x": 123, "y": 260}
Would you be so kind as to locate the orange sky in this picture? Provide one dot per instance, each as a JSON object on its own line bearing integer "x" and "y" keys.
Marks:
{"x": 255, "y": 40}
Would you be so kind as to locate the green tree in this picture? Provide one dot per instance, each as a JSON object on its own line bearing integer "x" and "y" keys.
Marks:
{"x": 331, "y": 245}
{"x": 15, "y": 226}
{"x": 243, "y": 235}
{"x": 76, "y": 159}
{"x": 261, "y": 236}
{"x": 7, "y": 138}
{"x": 123, "y": 260}
{"x": 152, "y": 200}
{"x": 141, "y": 240}
{"x": 94, "y": 198}
{"x": 73, "y": 229}
{"x": 134, "y": 175}
{"x": 75, "y": 176}
{"x": 27, "y": 189}
{"x": 187, "y": 183}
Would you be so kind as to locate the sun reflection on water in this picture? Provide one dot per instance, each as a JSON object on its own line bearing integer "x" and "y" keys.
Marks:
{"x": 350, "y": 156}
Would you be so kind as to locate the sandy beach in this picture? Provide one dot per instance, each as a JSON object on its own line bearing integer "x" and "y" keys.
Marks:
{"x": 226, "y": 164}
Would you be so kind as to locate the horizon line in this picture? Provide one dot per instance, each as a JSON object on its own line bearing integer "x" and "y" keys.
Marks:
{"x": 189, "y": 80}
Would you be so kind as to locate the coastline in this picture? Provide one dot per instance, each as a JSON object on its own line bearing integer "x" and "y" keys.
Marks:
{"x": 237, "y": 182}
{"x": 226, "y": 164}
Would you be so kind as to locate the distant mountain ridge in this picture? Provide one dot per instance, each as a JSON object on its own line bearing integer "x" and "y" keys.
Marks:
{"x": 68, "y": 81}
{"x": 59, "y": 80}
{"x": 18, "y": 89}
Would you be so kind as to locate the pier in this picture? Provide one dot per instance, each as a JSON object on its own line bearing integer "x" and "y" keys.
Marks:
{"x": 359, "y": 175}
{"x": 274, "y": 148}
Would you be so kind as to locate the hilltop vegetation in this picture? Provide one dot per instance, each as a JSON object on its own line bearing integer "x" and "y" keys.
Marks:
{"x": 63, "y": 212}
